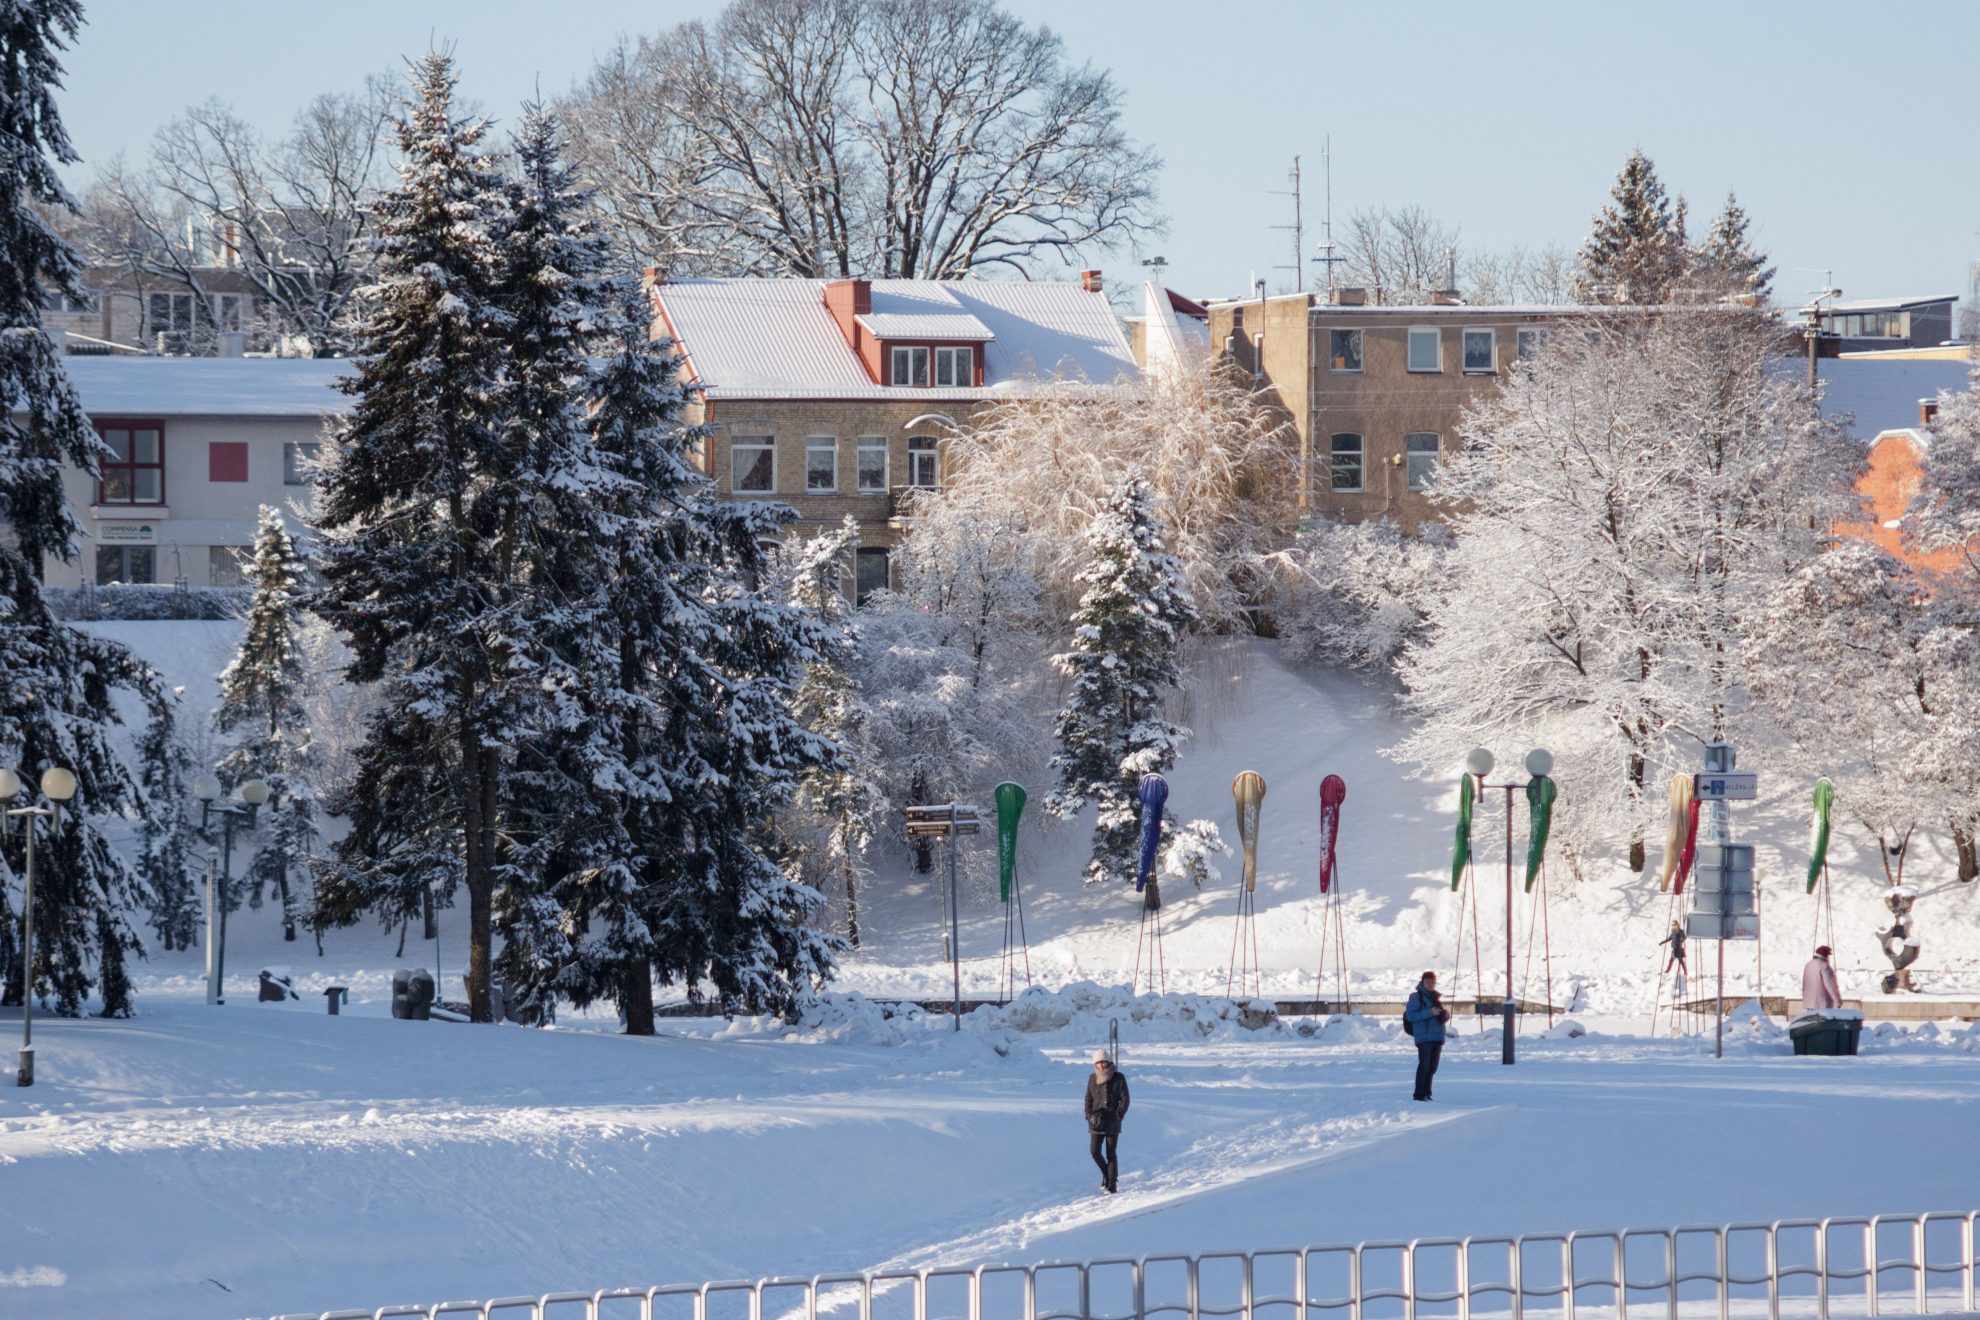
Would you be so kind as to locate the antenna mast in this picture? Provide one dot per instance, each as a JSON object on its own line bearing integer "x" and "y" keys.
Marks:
{"x": 1328, "y": 258}
{"x": 1298, "y": 227}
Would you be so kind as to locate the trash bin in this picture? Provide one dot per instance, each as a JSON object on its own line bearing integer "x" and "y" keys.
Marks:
{"x": 1826, "y": 1031}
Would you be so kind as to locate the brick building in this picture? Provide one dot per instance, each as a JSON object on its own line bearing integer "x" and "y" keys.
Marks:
{"x": 838, "y": 397}
{"x": 1374, "y": 393}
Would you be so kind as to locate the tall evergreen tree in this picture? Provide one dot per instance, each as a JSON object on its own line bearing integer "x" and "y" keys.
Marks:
{"x": 56, "y": 683}
{"x": 166, "y": 863}
{"x": 839, "y": 803}
{"x": 420, "y": 559}
{"x": 1636, "y": 250}
{"x": 1728, "y": 263}
{"x": 262, "y": 711}
{"x": 1127, "y": 634}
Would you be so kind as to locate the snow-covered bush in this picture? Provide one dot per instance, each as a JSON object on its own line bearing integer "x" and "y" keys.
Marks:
{"x": 1353, "y": 595}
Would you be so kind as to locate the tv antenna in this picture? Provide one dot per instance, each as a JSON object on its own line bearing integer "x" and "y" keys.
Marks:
{"x": 1298, "y": 227}
{"x": 1328, "y": 257}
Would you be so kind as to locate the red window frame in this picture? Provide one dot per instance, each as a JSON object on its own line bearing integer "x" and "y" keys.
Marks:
{"x": 132, "y": 425}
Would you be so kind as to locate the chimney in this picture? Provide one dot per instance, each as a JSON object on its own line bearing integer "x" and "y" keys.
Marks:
{"x": 1089, "y": 280}
{"x": 846, "y": 300}
{"x": 233, "y": 343}
{"x": 1928, "y": 411}
{"x": 1351, "y": 297}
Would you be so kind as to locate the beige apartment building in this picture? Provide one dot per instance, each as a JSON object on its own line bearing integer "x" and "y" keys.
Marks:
{"x": 1375, "y": 393}
{"x": 839, "y": 397}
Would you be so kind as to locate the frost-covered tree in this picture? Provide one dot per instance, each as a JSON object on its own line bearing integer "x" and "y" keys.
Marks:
{"x": 166, "y": 863}
{"x": 1635, "y": 252}
{"x": 1728, "y": 264}
{"x": 1617, "y": 513}
{"x": 840, "y": 805}
{"x": 1355, "y": 595}
{"x": 1876, "y": 684}
{"x": 56, "y": 683}
{"x": 1127, "y": 636}
{"x": 262, "y": 714}
{"x": 421, "y": 557}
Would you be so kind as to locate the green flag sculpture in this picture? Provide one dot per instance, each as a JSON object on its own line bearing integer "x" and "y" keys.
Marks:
{"x": 1461, "y": 852}
{"x": 1818, "y": 831}
{"x": 1540, "y": 793}
{"x": 1010, "y": 806}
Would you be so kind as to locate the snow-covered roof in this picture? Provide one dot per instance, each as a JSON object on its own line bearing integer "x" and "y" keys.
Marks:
{"x": 774, "y": 338}
{"x": 1888, "y": 304}
{"x": 1883, "y": 394}
{"x": 1173, "y": 342}
{"x": 210, "y": 387}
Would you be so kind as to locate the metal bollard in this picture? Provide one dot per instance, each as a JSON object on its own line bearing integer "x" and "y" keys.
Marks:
{"x": 336, "y": 994}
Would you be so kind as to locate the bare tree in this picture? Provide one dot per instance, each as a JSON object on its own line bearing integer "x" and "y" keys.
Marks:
{"x": 1405, "y": 252}
{"x": 290, "y": 217}
{"x": 918, "y": 138}
{"x": 1520, "y": 275}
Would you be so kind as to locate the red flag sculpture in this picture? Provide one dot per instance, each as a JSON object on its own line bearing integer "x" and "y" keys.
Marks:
{"x": 1333, "y": 792}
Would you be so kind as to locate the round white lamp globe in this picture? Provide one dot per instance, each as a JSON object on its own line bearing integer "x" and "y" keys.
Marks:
{"x": 57, "y": 784}
{"x": 1479, "y": 761}
{"x": 1539, "y": 763}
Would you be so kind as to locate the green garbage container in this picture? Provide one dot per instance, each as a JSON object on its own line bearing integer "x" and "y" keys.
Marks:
{"x": 1826, "y": 1031}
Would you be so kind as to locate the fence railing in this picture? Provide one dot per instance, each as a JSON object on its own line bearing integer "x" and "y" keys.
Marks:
{"x": 1884, "y": 1265}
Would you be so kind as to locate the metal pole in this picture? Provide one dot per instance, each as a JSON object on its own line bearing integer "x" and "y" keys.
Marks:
{"x": 212, "y": 983}
{"x": 1719, "y": 1034}
{"x": 26, "y": 1075}
{"x": 955, "y": 931}
{"x": 1506, "y": 1009}
{"x": 226, "y": 884}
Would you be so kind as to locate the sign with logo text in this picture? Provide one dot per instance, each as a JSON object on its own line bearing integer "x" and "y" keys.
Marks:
{"x": 127, "y": 533}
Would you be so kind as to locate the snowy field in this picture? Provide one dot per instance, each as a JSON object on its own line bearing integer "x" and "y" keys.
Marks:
{"x": 254, "y": 1159}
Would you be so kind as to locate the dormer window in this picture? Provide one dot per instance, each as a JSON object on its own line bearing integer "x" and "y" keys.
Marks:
{"x": 955, "y": 367}
{"x": 910, "y": 367}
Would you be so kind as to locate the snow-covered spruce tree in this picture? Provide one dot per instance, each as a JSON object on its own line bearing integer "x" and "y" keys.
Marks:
{"x": 1728, "y": 264}
{"x": 262, "y": 715}
{"x": 1875, "y": 681}
{"x": 1617, "y": 513}
{"x": 839, "y": 805}
{"x": 167, "y": 863}
{"x": 1635, "y": 254}
{"x": 419, "y": 565}
{"x": 56, "y": 683}
{"x": 1127, "y": 633}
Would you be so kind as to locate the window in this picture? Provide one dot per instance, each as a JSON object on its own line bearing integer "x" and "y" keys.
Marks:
{"x": 134, "y": 473}
{"x": 1426, "y": 349}
{"x": 170, "y": 322}
{"x": 910, "y": 367}
{"x": 1344, "y": 349}
{"x": 126, "y": 563}
{"x": 869, "y": 572}
{"x": 1345, "y": 462}
{"x": 226, "y": 460}
{"x": 1419, "y": 458}
{"x": 223, "y": 565}
{"x": 955, "y": 367}
{"x": 54, "y": 300}
{"x": 872, "y": 476}
{"x": 299, "y": 462}
{"x": 1528, "y": 341}
{"x": 821, "y": 464}
{"x": 752, "y": 465}
{"x": 1481, "y": 351}
{"x": 924, "y": 463}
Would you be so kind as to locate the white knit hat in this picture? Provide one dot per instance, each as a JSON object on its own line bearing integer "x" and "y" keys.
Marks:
{"x": 1100, "y": 1056}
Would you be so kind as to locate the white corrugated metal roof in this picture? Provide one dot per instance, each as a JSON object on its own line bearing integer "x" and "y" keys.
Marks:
{"x": 1883, "y": 395}
{"x": 1889, "y": 304}
{"x": 210, "y": 387}
{"x": 772, "y": 338}
{"x": 892, "y": 325}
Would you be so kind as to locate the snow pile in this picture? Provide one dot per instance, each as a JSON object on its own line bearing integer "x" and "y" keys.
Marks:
{"x": 1750, "y": 1031}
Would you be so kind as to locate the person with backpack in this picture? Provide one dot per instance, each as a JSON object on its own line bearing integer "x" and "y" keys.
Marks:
{"x": 1106, "y": 1106}
{"x": 1424, "y": 1017}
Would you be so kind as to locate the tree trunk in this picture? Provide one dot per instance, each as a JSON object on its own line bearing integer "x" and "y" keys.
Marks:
{"x": 852, "y": 910}
{"x": 480, "y": 878}
{"x": 637, "y": 998}
{"x": 1636, "y": 850}
{"x": 1969, "y": 854}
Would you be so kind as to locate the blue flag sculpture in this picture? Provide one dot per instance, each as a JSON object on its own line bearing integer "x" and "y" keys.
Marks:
{"x": 1153, "y": 793}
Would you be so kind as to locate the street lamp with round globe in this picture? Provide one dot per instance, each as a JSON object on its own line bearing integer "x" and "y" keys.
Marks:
{"x": 206, "y": 788}
{"x": 58, "y": 785}
{"x": 1479, "y": 761}
{"x": 10, "y": 785}
{"x": 1539, "y": 763}
{"x": 254, "y": 792}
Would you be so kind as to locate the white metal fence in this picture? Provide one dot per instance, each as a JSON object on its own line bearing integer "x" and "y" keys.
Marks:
{"x": 1886, "y": 1265}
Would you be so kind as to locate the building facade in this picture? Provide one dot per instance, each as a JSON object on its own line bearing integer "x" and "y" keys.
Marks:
{"x": 839, "y": 397}
{"x": 1375, "y": 394}
{"x": 197, "y": 446}
{"x": 1870, "y": 324}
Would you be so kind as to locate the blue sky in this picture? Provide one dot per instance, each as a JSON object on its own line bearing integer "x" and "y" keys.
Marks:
{"x": 1838, "y": 124}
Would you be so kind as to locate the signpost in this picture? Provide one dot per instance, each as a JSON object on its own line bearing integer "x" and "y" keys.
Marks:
{"x": 1723, "y": 903}
{"x": 946, "y": 821}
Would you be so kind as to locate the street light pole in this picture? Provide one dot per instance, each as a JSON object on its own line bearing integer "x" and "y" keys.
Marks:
{"x": 207, "y": 789}
{"x": 1479, "y": 761}
{"x": 58, "y": 786}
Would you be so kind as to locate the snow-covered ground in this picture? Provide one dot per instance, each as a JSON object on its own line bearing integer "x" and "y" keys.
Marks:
{"x": 252, "y": 1159}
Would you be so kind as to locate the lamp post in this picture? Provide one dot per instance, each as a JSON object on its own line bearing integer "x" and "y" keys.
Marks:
{"x": 58, "y": 786}
{"x": 207, "y": 789}
{"x": 1479, "y": 761}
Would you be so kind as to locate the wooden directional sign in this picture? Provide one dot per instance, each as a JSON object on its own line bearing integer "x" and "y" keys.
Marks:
{"x": 942, "y": 820}
{"x": 1726, "y": 786}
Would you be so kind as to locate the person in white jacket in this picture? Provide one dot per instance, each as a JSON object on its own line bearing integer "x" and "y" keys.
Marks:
{"x": 1818, "y": 983}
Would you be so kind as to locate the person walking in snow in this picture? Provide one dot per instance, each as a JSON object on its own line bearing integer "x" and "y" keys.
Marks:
{"x": 1818, "y": 983}
{"x": 1106, "y": 1106}
{"x": 1424, "y": 1018}
{"x": 1676, "y": 940}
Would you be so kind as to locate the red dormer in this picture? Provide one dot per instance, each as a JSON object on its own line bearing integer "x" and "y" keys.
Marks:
{"x": 921, "y": 338}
